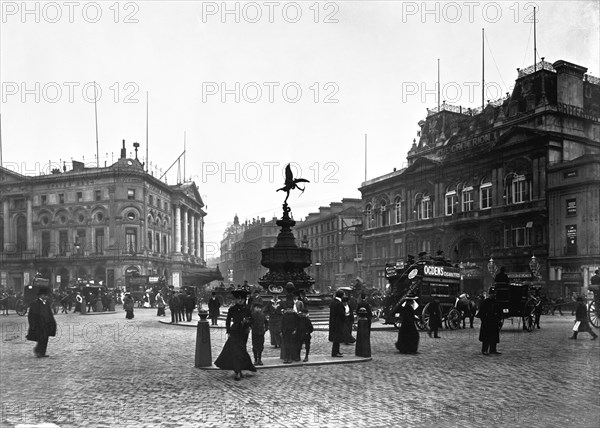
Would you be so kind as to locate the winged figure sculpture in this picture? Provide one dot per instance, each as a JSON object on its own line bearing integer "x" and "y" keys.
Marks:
{"x": 291, "y": 182}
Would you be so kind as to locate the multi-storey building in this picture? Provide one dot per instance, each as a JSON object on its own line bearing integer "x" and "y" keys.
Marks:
{"x": 488, "y": 187}
{"x": 101, "y": 223}
{"x": 233, "y": 233}
{"x": 256, "y": 235}
{"x": 333, "y": 234}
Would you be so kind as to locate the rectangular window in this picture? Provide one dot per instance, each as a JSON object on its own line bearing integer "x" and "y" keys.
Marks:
{"x": 517, "y": 236}
{"x": 130, "y": 194}
{"x": 486, "y": 196}
{"x": 61, "y": 198}
{"x": 519, "y": 190}
{"x": 571, "y": 207}
{"x": 98, "y": 195}
{"x": 79, "y": 196}
{"x": 45, "y": 243}
{"x": 20, "y": 204}
{"x": 80, "y": 241}
{"x": 63, "y": 242}
{"x": 44, "y": 200}
{"x": 150, "y": 241}
{"x": 99, "y": 241}
{"x": 571, "y": 239}
{"x": 158, "y": 204}
{"x": 467, "y": 199}
{"x": 131, "y": 239}
{"x": 451, "y": 201}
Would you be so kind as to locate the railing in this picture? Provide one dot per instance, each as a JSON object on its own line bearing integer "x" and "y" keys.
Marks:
{"x": 464, "y": 110}
{"x": 592, "y": 79}
{"x": 542, "y": 65}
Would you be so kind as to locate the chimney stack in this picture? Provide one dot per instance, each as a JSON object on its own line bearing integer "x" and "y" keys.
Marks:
{"x": 569, "y": 83}
{"x": 123, "y": 151}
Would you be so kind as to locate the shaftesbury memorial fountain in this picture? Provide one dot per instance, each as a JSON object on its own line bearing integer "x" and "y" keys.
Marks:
{"x": 286, "y": 261}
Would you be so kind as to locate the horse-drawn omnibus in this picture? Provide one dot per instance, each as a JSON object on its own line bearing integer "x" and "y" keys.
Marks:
{"x": 515, "y": 300}
{"x": 428, "y": 279}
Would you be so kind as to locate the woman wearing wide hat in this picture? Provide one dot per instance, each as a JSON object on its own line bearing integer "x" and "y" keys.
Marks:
{"x": 234, "y": 355}
{"x": 408, "y": 336}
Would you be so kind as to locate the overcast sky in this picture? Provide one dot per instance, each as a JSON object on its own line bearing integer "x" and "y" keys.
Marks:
{"x": 260, "y": 85}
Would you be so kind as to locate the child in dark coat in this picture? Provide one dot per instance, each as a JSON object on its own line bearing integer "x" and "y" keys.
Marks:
{"x": 305, "y": 329}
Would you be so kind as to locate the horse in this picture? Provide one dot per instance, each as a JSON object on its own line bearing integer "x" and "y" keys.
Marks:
{"x": 5, "y": 303}
{"x": 467, "y": 308}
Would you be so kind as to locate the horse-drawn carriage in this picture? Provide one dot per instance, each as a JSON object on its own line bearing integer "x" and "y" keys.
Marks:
{"x": 429, "y": 280}
{"x": 515, "y": 301}
{"x": 30, "y": 293}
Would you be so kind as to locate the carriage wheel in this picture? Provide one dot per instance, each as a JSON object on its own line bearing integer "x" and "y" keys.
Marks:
{"x": 453, "y": 319}
{"x": 425, "y": 316}
{"x": 529, "y": 315}
{"x": 21, "y": 308}
{"x": 594, "y": 314}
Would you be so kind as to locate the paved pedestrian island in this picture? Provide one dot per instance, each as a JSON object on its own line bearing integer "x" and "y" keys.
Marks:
{"x": 316, "y": 360}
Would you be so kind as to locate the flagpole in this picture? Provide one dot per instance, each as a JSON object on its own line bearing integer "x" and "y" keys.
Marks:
{"x": 96, "y": 119}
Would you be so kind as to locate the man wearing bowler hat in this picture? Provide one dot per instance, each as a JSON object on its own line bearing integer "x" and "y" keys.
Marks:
{"x": 41, "y": 322}
{"x": 337, "y": 317}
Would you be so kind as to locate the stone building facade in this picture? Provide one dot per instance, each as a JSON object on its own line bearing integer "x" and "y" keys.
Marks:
{"x": 333, "y": 234}
{"x": 100, "y": 223}
{"x": 257, "y": 234}
{"x": 486, "y": 186}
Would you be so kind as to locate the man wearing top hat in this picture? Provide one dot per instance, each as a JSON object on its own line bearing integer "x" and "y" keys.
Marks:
{"x": 214, "y": 308}
{"x": 41, "y": 322}
{"x": 337, "y": 317}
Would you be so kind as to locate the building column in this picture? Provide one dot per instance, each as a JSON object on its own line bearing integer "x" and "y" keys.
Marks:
{"x": 6, "y": 224}
{"x": 177, "y": 229}
{"x": 200, "y": 239}
{"x": 29, "y": 224}
{"x": 184, "y": 232}
{"x": 192, "y": 250}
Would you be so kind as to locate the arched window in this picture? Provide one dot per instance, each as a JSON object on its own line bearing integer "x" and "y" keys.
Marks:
{"x": 157, "y": 239}
{"x": 383, "y": 214}
{"x": 451, "y": 201}
{"x": 398, "y": 210}
{"x": 369, "y": 216}
{"x": 485, "y": 194}
{"x": 516, "y": 189}
{"x": 150, "y": 241}
{"x": 423, "y": 206}
{"x": 466, "y": 197}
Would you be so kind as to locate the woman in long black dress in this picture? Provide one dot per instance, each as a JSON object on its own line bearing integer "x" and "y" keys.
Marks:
{"x": 408, "y": 336}
{"x": 234, "y": 355}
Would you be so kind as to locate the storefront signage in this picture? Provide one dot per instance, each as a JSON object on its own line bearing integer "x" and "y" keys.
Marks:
{"x": 571, "y": 206}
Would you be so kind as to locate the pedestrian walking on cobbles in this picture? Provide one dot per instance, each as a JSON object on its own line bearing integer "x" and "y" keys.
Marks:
{"x": 41, "y": 322}
{"x": 160, "y": 303}
{"x": 214, "y": 308}
{"x": 128, "y": 306}
{"x": 174, "y": 303}
{"x": 181, "y": 305}
{"x": 558, "y": 306}
{"x": 435, "y": 318}
{"x": 489, "y": 332}
{"x": 289, "y": 330}
{"x": 259, "y": 326}
{"x": 408, "y": 336}
{"x": 337, "y": 317}
{"x": 189, "y": 303}
{"x": 274, "y": 312}
{"x": 537, "y": 309}
{"x": 581, "y": 320}
{"x": 234, "y": 355}
{"x": 305, "y": 329}
{"x": 348, "y": 321}
{"x": 78, "y": 302}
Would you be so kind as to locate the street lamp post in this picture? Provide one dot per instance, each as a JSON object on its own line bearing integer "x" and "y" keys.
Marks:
{"x": 492, "y": 268}
{"x": 317, "y": 266}
{"x": 534, "y": 267}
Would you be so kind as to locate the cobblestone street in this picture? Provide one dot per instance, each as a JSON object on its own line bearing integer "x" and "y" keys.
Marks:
{"x": 106, "y": 371}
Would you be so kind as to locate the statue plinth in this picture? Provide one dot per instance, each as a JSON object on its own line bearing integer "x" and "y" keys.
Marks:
{"x": 285, "y": 260}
